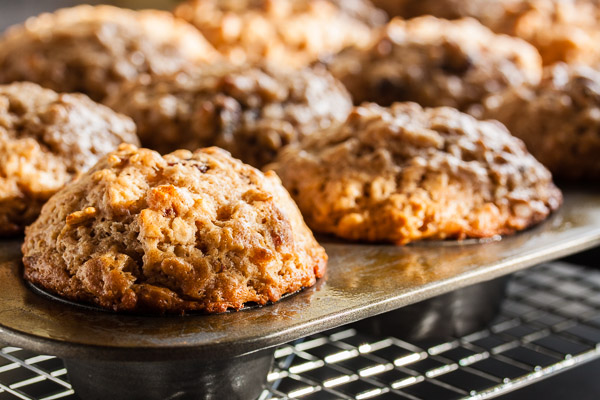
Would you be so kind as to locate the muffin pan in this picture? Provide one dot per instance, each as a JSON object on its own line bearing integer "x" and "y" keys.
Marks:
{"x": 362, "y": 281}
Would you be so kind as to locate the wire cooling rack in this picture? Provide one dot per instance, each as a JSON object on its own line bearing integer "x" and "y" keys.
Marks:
{"x": 550, "y": 322}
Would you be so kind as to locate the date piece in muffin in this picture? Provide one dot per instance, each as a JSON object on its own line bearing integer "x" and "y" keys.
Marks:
{"x": 406, "y": 173}
{"x": 46, "y": 140}
{"x": 436, "y": 62}
{"x": 94, "y": 50}
{"x": 187, "y": 231}
{"x": 250, "y": 111}
{"x": 562, "y": 30}
{"x": 559, "y": 119}
{"x": 289, "y": 32}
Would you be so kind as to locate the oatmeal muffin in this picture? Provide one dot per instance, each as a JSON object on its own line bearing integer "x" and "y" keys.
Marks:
{"x": 559, "y": 119}
{"x": 406, "y": 173}
{"x": 562, "y": 30}
{"x": 187, "y": 231}
{"x": 94, "y": 50}
{"x": 46, "y": 140}
{"x": 292, "y": 32}
{"x": 436, "y": 62}
{"x": 250, "y": 111}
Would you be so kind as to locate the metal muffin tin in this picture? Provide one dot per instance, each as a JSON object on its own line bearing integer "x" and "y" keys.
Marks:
{"x": 361, "y": 281}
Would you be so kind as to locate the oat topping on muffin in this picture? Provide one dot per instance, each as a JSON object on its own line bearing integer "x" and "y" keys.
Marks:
{"x": 292, "y": 32}
{"x": 250, "y": 111}
{"x": 187, "y": 231}
{"x": 406, "y": 173}
{"x": 95, "y": 49}
{"x": 436, "y": 62}
{"x": 559, "y": 119}
{"x": 46, "y": 140}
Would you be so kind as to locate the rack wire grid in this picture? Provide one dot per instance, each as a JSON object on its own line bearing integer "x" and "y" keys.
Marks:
{"x": 549, "y": 322}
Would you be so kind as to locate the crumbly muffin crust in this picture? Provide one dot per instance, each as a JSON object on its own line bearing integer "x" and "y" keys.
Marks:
{"x": 46, "y": 140}
{"x": 406, "y": 173}
{"x": 187, "y": 231}
{"x": 250, "y": 111}
{"x": 288, "y": 32}
{"x": 562, "y": 30}
{"x": 436, "y": 62}
{"x": 559, "y": 119}
{"x": 95, "y": 49}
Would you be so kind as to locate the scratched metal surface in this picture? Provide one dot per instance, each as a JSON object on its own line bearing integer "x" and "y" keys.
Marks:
{"x": 362, "y": 280}
{"x": 549, "y": 324}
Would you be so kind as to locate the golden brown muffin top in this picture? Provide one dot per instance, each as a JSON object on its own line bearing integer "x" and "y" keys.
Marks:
{"x": 406, "y": 173}
{"x": 187, "y": 231}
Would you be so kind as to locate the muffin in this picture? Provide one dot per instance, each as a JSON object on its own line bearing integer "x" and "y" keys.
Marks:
{"x": 559, "y": 119}
{"x": 289, "y": 32}
{"x": 46, "y": 140}
{"x": 436, "y": 62}
{"x": 94, "y": 50}
{"x": 562, "y": 30}
{"x": 406, "y": 173}
{"x": 187, "y": 231}
{"x": 250, "y": 111}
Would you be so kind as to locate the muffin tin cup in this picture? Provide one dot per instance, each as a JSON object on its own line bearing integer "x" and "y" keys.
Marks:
{"x": 453, "y": 314}
{"x": 237, "y": 378}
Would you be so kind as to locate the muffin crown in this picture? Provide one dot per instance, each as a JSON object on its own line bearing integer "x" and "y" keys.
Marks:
{"x": 187, "y": 231}
{"x": 405, "y": 173}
